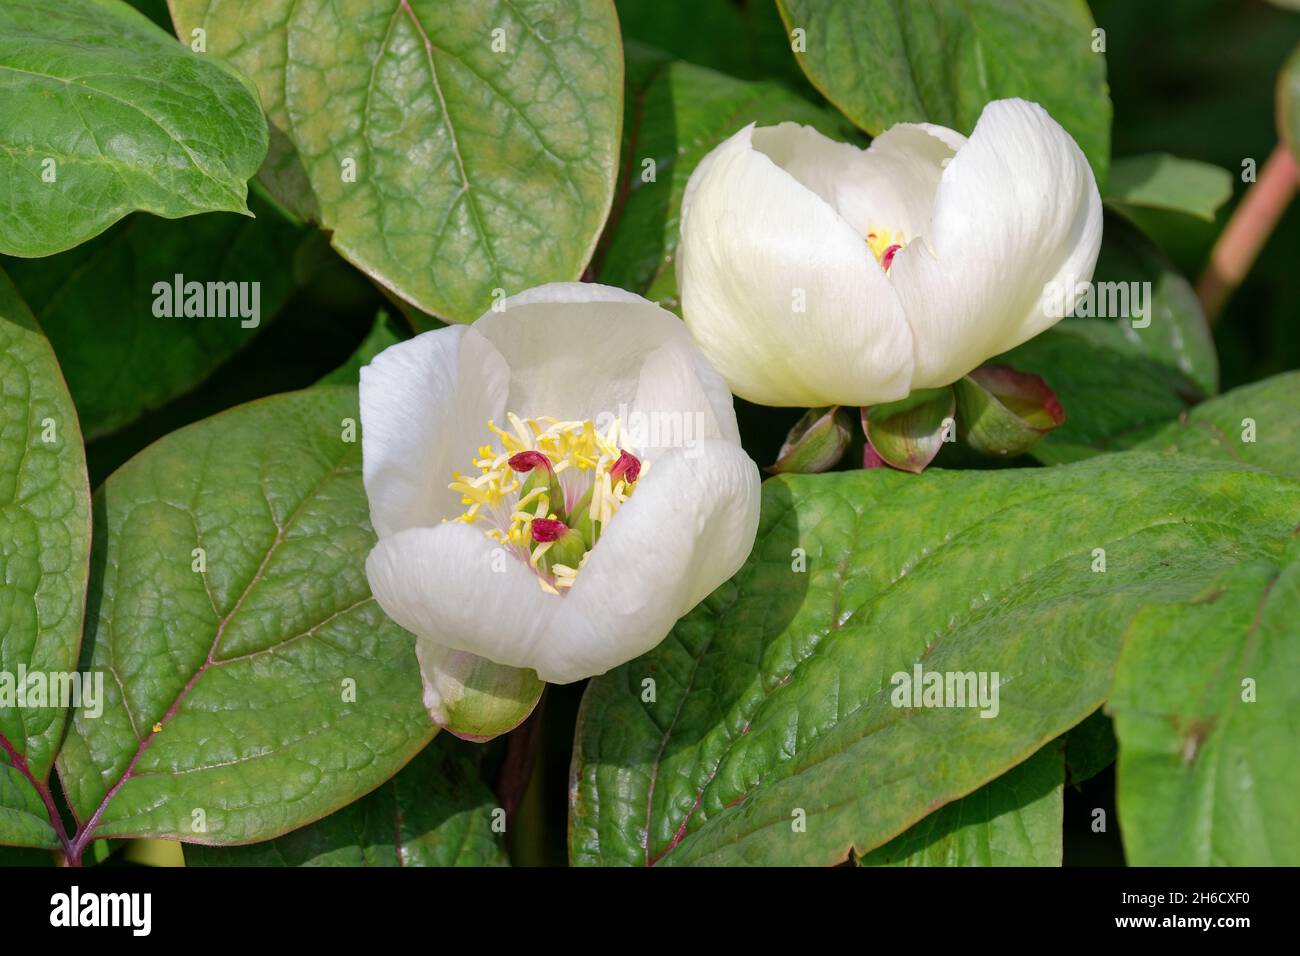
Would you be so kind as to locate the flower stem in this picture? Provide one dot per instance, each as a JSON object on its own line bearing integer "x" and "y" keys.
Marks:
{"x": 1248, "y": 229}
{"x": 522, "y": 746}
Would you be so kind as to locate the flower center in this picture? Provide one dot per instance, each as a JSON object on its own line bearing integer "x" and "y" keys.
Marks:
{"x": 546, "y": 489}
{"x": 884, "y": 245}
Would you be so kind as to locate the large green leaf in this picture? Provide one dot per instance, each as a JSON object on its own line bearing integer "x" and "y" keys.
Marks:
{"x": 97, "y": 305}
{"x": 269, "y": 690}
{"x": 44, "y": 561}
{"x": 676, "y": 113}
{"x": 105, "y": 114}
{"x": 476, "y": 168}
{"x": 774, "y": 695}
{"x": 1013, "y": 821}
{"x": 436, "y": 812}
{"x": 1161, "y": 181}
{"x": 884, "y": 62}
{"x": 1207, "y": 710}
{"x": 1257, "y": 424}
{"x": 1116, "y": 381}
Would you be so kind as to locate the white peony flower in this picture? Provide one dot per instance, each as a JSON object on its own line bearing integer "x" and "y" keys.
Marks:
{"x": 815, "y": 273}
{"x": 552, "y": 487}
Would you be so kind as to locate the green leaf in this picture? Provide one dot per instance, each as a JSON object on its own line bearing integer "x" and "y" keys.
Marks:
{"x": 474, "y": 169}
{"x": 436, "y": 812}
{"x": 1256, "y": 424}
{"x": 1111, "y": 393}
{"x": 676, "y": 114}
{"x": 384, "y": 332}
{"x": 774, "y": 695}
{"x": 1161, "y": 181}
{"x": 24, "y": 821}
{"x": 883, "y": 62}
{"x": 1013, "y": 821}
{"x": 1116, "y": 379}
{"x": 106, "y": 114}
{"x": 1288, "y": 103}
{"x": 1206, "y": 708}
{"x": 97, "y": 305}
{"x": 267, "y": 690}
{"x": 44, "y": 561}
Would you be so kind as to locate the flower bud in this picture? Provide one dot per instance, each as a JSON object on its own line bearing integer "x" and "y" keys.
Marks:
{"x": 816, "y": 443}
{"x": 908, "y": 434}
{"x": 470, "y": 696}
{"x": 1004, "y": 412}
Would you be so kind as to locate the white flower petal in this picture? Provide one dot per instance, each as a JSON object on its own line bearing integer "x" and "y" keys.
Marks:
{"x": 1016, "y": 210}
{"x": 689, "y": 527}
{"x": 456, "y": 587}
{"x": 575, "y": 349}
{"x": 424, "y": 403}
{"x": 754, "y": 242}
{"x": 680, "y": 400}
{"x": 580, "y": 351}
{"x": 890, "y": 185}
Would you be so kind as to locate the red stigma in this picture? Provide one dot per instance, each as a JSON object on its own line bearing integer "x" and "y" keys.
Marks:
{"x": 887, "y": 256}
{"x": 548, "y": 529}
{"x": 528, "y": 460}
{"x": 627, "y": 467}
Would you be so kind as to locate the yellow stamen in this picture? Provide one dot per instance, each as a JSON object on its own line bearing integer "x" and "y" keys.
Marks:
{"x": 881, "y": 241}
{"x": 492, "y": 497}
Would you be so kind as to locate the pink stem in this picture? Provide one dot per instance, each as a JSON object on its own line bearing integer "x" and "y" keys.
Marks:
{"x": 1248, "y": 229}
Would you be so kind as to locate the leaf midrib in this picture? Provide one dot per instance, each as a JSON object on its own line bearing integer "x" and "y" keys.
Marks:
{"x": 470, "y": 198}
